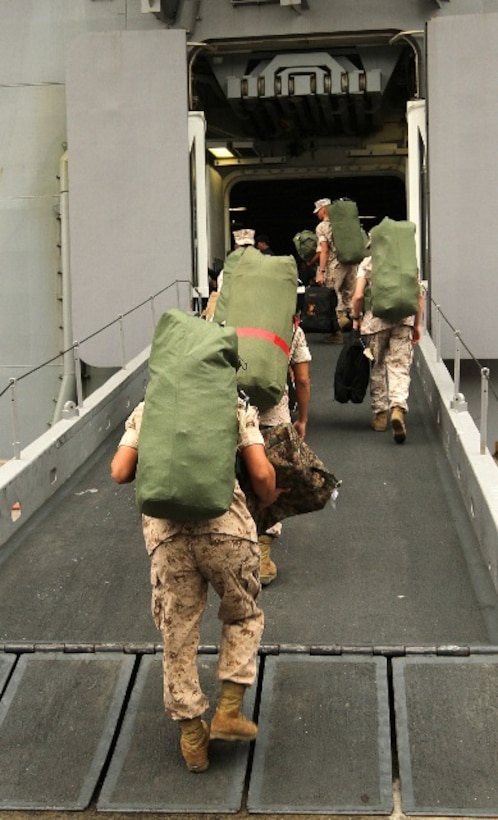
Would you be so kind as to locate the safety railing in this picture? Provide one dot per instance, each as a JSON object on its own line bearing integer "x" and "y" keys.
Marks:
{"x": 74, "y": 350}
{"x": 458, "y": 401}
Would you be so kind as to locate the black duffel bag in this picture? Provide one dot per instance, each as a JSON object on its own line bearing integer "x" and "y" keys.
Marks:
{"x": 352, "y": 371}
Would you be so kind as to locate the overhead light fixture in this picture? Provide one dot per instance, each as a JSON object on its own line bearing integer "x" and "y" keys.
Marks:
{"x": 221, "y": 152}
{"x": 239, "y": 152}
{"x": 233, "y": 149}
{"x": 240, "y": 208}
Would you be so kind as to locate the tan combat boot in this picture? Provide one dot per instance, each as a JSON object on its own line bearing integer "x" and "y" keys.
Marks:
{"x": 379, "y": 422}
{"x": 398, "y": 424}
{"x": 344, "y": 320}
{"x": 228, "y": 722}
{"x": 268, "y": 568}
{"x": 194, "y": 742}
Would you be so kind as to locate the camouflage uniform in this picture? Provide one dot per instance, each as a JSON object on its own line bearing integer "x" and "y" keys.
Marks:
{"x": 342, "y": 278}
{"x": 392, "y": 351}
{"x": 280, "y": 413}
{"x": 185, "y": 558}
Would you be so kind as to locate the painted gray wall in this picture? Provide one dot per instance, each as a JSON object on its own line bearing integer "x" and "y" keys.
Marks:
{"x": 35, "y": 37}
{"x": 216, "y": 19}
{"x": 463, "y": 177}
{"x": 128, "y": 178}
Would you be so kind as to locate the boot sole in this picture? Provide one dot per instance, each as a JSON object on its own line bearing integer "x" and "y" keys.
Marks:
{"x": 267, "y": 579}
{"x": 399, "y": 431}
{"x": 232, "y": 736}
{"x": 198, "y": 769}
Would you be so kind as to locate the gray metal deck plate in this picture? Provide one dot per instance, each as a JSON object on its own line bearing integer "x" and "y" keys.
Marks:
{"x": 323, "y": 744}
{"x": 447, "y": 730}
{"x": 6, "y": 664}
{"x": 148, "y": 773}
{"x": 58, "y": 716}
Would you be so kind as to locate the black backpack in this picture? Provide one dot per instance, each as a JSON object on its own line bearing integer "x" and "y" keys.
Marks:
{"x": 318, "y": 313}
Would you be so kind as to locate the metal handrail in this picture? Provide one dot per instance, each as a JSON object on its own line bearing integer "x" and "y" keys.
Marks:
{"x": 458, "y": 402}
{"x": 74, "y": 349}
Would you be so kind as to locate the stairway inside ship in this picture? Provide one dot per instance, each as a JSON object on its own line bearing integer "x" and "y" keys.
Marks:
{"x": 378, "y": 669}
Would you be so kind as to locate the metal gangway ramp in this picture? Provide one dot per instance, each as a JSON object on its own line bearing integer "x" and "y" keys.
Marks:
{"x": 378, "y": 672}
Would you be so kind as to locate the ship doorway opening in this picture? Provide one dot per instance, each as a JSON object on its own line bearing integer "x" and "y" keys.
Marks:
{"x": 282, "y": 208}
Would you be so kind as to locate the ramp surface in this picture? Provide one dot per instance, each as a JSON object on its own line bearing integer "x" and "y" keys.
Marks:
{"x": 395, "y": 562}
{"x": 393, "y": 570}
{"x": 447, "y": 729}
{"x": 324, "y": 742}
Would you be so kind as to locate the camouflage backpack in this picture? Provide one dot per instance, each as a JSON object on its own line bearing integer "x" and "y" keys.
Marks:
{"x": 298, "y": 468}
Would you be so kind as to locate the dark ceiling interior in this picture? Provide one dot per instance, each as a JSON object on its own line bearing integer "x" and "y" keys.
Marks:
{"x": 282, "y": 208}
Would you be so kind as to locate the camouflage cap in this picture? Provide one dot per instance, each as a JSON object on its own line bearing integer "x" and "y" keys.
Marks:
{"x": 244, "y": 237}
{"x": 321, "y": 203}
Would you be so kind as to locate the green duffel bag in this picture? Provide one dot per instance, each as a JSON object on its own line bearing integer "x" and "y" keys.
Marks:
{"x": 305, "y": 244}
{"x": 261, "y": 305}
{"x": 395, "y": 288}
{"x": 188, "y": 438}
{"x": 347, "y": 234}
{"x": 230, "y": 265}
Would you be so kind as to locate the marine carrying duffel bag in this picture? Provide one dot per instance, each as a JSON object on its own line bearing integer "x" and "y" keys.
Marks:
{"x": 347, "y": 235}
{"x": 395, "y": 289}
{"x": 188, "y": 439}
{"x": 261, "y": 305}
{"x": 231, "y": 263}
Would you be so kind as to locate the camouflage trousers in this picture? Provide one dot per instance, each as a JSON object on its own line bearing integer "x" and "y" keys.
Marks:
{"x": 181, "y": 570}
{"x": 343, "y": 279}
{"x": 392, "y": 351}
